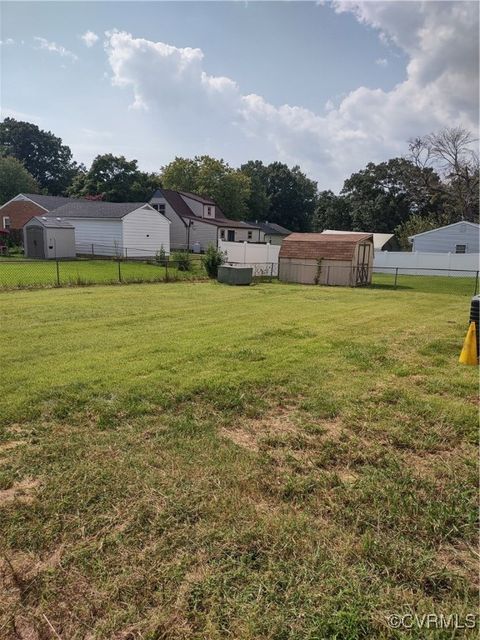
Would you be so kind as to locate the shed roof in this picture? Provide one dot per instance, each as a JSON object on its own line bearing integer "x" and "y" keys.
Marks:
{"x": 379, "y": 239}
{"x": 97, "y": 209}
{"x": 312, "y": 246}
{"x": 50, "y": 222}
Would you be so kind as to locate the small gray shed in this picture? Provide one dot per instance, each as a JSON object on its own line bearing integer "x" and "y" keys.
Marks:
{"x": 48, "y": 237}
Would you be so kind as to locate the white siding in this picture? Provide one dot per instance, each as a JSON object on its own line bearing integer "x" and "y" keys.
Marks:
{"x": 105, "y": 235}
{"x": 60, "y": 243}
{"x": 445, "y": 239}
{"x": 205, "y": 234}
{"x": 178, "y": 229}
{"x": 145, "y": 231}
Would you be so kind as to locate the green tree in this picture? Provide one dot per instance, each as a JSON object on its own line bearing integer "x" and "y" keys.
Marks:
{"x": 332, "y": 212}
{"x": 258, "y": 203}
{"x": 210, "y": 178}
{"x": 115, "y": 179}
{"x": 14, "y": 179}
{"x": 292, "y": 197}
{"x": 383, "y": 196}
{"x": 44, "y": 155}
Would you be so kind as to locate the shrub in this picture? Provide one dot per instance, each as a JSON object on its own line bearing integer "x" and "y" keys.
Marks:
{"x": 183, "y": 260}
{"x": 161, "y": 256}
{"x": 212, "y": 259}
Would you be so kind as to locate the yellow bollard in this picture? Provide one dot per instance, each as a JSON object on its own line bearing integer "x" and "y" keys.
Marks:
{"x": 469, "y": 351}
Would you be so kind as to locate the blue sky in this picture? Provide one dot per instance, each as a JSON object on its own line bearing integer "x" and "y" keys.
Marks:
{"x": 329, "y": 86}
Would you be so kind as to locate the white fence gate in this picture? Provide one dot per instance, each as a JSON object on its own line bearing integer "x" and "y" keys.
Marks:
{"x": 427, "y": 264}
{"x": 263, "y": 258}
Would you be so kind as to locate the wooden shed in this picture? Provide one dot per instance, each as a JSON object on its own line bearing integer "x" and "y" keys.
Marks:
{"x": 49, "y": 237}
{"x": 343, "y": 259}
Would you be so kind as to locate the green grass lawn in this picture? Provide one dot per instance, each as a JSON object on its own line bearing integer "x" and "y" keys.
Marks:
{"x": 200, "y": 461}
{"x": 43, "y": 273}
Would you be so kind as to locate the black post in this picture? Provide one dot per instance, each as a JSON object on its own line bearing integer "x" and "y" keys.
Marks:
{"x": 476, "y": 284}
{"x": 119, "y": 270}
{"x": 93, "y": 252}
{"x": 58, "y": 273}
{"x": 396, "y": 277}
{"x": 271, "y": 271}
{"x": 166, "y": 271}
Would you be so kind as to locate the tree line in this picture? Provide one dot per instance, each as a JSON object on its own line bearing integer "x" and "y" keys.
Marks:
{"x": 435, "y": 183}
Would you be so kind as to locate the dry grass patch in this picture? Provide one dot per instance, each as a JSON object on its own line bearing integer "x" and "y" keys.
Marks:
{"x": 22, "y": 491}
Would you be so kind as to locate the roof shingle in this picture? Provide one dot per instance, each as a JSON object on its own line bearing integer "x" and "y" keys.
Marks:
{"x": 313, "y": 246}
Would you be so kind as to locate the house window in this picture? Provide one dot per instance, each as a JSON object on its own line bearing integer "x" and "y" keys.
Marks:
{"x": 222, "y": 234}
{"x": 249, "y": 235}
{"x": 159, "y": 207}
{"x": 460, "y": 248}
{"x": 6, "y": 222}
{"x": 231, "y": 235}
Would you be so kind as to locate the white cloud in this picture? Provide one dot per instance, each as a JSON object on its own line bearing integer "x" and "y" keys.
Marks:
{"x": 382, "y": 62}
{"x": 441, "y": 89}
{"x": 7, "y": 42}
{"x": 89, "y": 38}
{"x": 43, "y": 43}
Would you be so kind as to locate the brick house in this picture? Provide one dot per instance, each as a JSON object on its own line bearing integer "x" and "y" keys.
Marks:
{"x": 20, "y": 209}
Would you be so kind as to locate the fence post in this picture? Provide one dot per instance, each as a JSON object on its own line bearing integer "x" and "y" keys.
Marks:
{"x": 328, "y": 275}
{"x": 476, "y": 284}
{"x": 166, "y": 271}
{"x": 126, "y": 253}
{"x": 271, "y": 271}
{"x": 396, "y": 277}
{"x": 58, "y": 273}
{"x": 119, "y": 270}
{"x": 93, "y": 252}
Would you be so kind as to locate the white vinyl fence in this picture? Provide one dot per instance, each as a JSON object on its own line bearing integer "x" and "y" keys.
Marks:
{"x": 263, "y": 258}
{"x": 427, "y": 264}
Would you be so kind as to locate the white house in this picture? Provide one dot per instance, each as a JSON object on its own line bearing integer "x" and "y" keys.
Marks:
{"x": 459, "y": 237}
{"x": 130, "y": 229}
{"x": 197, "y": 221}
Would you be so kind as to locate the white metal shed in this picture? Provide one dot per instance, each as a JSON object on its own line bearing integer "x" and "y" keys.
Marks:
{"x": 130, "y": 229}
{"x": 49, "y": 237}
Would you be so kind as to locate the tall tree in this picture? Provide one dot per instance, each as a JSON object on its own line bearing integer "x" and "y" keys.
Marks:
{"x": 258, "y": 203}
{"x": 210, "y": 178}
{"x": 14, "y": 179}
{"x": 292, "y": 197}
{"x": 115, "y": 179}
{"x": 332, "y": 212}
{"x": 452, "y": 152}
{"x": 44, "y": 155}
{"x": 384, "y": 195}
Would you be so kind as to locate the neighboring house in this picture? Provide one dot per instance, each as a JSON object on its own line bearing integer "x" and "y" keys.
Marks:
{"x": 199, "y": 222}
{"x": 49, "y": 237}
{"x": 17, "y": 211}
{"x": 459, "y": 237}
{"x": 344, "y": 259}
{"x": 130, "y": 229}
{"x": 381, "y": 241}
{"x": 272, "y": 233}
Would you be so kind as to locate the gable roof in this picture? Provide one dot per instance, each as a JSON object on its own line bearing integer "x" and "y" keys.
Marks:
{"x": 50, "y": 222}
{"x": 271, "y": 228}
{"x": 198, "y": 198}
{"x": 448, "y": 226}
{"x": 49, "y": 203}
{"x": 97, "y": 209}
{"x": 379, "y": 239}
{"x": 181, "y": 208}
{"x": 312, "y": 246}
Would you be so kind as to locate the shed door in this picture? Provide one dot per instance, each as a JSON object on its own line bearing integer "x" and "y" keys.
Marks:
{"x": 363, "y": 264}
{"x": 35, "y": 242}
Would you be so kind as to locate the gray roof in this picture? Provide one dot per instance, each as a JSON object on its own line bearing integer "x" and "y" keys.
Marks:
{"x": 97, "y": 209}
{"x": 272, "y": 229}
{"x": 48, "y": 202}
{"x": 51, "y": 222}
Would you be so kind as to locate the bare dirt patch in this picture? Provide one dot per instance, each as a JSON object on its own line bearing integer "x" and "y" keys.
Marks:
{"x": 23, "y": 491}
{"x": 461, "y": 559}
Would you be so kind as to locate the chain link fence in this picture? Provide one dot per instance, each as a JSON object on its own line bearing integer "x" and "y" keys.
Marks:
{"x": 26, "y": 274}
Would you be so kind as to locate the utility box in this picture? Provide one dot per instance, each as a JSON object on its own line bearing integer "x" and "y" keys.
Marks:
{"x": 235, "y": 275}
